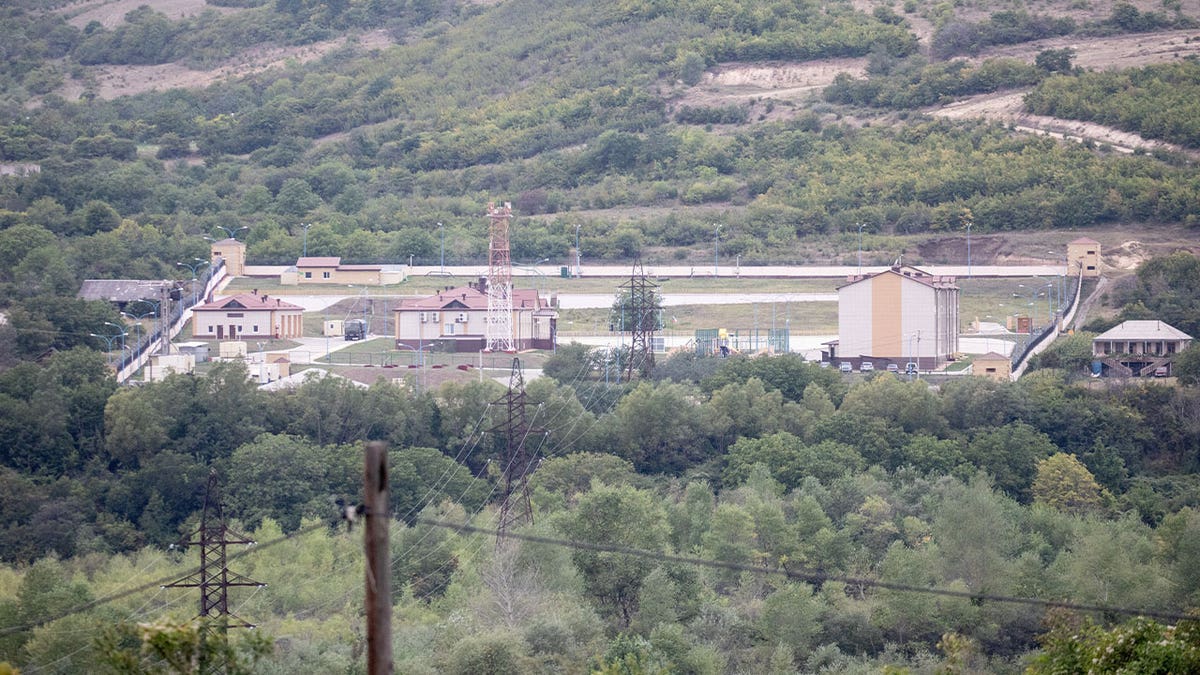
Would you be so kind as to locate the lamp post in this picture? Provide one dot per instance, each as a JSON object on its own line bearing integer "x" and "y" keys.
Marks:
{"x": 716, "y": 251}
{"x": 232, "y": 232}
{"x": 138, "y": 317}
{"x": 1032, "y": 298}
{"x": 860, "y": 229}
{"x": 305, "y": 226}
{"x": 108, "y": 340}
{"x": 123, "y": 333}
{"x": 262, "y": 363}
{"x": 1062, "y": 275}
{"x": 578, "y": 270}
{"x": 442, "y": 231}
{"x": 194, "y": 267}
{"x": 969, "y": 224}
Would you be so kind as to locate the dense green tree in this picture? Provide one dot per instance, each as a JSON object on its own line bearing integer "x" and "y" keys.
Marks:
{"x": 1010, "y": 454}
{"x": 618, "y": 516}
{"x": 1064, "y": 483}
{"x": 660, "y": 428}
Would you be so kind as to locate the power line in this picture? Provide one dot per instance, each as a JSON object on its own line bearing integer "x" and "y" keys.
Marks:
{"x": 809, "y": 575}
{"x": 157, "y": 583}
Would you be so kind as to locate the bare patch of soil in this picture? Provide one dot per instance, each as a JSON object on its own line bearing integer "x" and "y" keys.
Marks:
{"x": 112, "y": 12}
{"x": 1122, "y": 51}
{"x": 117, "y": 81}
{"x": 764, "y": 85}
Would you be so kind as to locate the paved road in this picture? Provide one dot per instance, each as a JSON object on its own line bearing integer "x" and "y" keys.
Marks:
{"x": 724, "y": 271}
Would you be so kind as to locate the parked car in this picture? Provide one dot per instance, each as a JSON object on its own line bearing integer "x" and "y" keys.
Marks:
{"x": 893, "y": 368}
{"x": 845, "y": 367}
{"x": 910, "y": 368}
{"x": 824, "y": 364}
{"x": 866, "y": 367}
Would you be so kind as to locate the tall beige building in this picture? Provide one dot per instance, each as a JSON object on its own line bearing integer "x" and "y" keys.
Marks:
{"x": 900, "y": 315}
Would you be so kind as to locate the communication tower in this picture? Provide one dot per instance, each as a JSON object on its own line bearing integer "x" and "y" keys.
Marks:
{"x": 498, "y": 331}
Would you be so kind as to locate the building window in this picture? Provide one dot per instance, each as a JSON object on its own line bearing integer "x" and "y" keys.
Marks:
{"x": 234, "y": 315}
{"x": 256, "y": 328}
{"x": 308, "y": 275}
{"x": 209, "y": 330}
{"x": 324, "y": 275}
{"x": 449, "y": 329}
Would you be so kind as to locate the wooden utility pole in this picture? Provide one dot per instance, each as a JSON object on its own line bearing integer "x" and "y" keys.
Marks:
{"x": 379, "y": 570}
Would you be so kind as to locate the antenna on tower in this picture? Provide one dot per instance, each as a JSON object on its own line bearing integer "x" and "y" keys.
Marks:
{"x": 517, "y": 461}
{"x": 214, "y": 578}
{"x": 498, "y": 331}
{"x": 643, "y": 320}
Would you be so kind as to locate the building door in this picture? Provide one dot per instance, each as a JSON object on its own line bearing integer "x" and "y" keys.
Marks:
{"x": 220, "y": 332}
{"x": 233, "y": 331}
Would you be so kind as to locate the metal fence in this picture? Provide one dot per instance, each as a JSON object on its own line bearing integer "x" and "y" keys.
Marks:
{"x": 134, "y": 355}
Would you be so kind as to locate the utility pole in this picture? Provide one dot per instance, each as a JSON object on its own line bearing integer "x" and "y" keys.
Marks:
{"x": 578, "y": 269}
{"x": 214, "y": 578}
{"x": 643, "y": 320}
{"x": 378, "y": 603}
{"x": 516, "y": 461}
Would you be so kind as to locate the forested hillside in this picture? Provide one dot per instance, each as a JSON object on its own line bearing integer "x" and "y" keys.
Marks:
{"x": 813, "y": 499}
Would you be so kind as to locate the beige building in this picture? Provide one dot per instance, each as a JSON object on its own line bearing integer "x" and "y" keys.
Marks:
{"x": 245, "y": 316}
{"x": 455, "y": 320}
{"x": 1083, "y": 256}
{"x": 231, "y": 253}
{"x": 993, "y": 365}
{"x": 330, "y": 270}
{"x": 1139, "y": 348}
{"x": 900, "y": 315}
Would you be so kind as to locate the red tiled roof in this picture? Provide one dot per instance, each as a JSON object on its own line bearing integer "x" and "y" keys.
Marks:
{"x": 318, "y": 262}
{"x": 465, "y": 297}
{"x": 248, "y": 301}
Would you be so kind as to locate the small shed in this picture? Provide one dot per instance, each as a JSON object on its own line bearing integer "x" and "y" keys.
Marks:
{"x": 232, "y": 350}
{"x": 993, "y": 365}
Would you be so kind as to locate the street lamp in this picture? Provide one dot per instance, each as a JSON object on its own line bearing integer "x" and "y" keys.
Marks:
{"x": 262, "y": 363}
{"x": 716, "y": 251}
{"x": 442, "y": 231}
{"x": 969, "y": 224}
{"x": 1062, "y": 275}
{"x": 108, "y": 340}
{"x": 860, "y": 229}
{"x": 121, "y": 330}
{"x": 578, "y": 270}
{"x": 305, "y": 226}
{"x": 194, "y": 267}
{"x": 138, "y": 317}
{"x": 232, "y": 232}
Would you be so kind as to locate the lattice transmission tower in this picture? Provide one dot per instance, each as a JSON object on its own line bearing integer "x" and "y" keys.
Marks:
{"x": 517, "y": 461}
{"x": 214, "y": 578}
{"x": 498, "y": 331}
{"x": 642, "y": 321}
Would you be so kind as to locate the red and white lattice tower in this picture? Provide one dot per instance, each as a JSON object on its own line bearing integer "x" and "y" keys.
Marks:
{"x": 498, "y": 332}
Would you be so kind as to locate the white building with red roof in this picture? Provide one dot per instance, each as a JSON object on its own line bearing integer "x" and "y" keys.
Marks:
{"x": 247, "y": 315}
{"x": 454, "y": 320}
